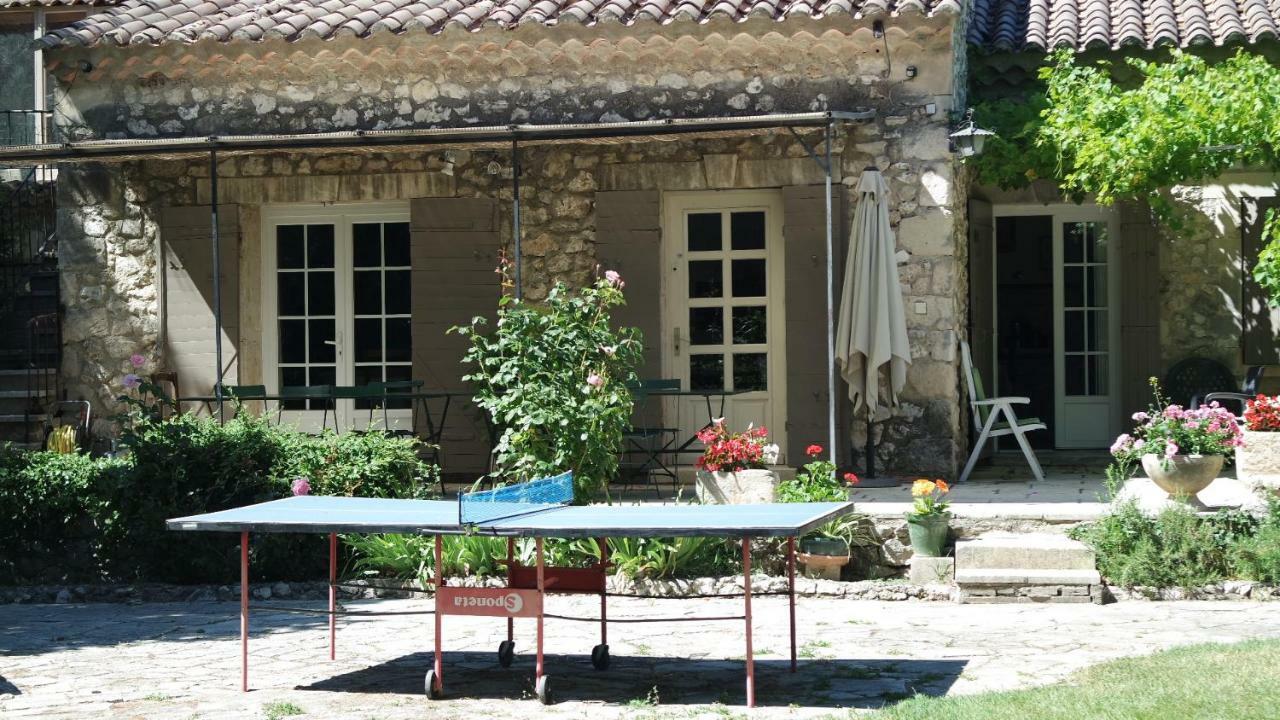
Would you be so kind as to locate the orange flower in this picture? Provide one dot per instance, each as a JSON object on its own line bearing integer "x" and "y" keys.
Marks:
{"x": 943, "y": 487}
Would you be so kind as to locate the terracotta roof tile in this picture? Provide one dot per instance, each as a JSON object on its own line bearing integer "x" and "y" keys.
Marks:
{"x": 136, "y": 22}
{"x": 10, "y": 4}
{"x": 1042, "y": 25}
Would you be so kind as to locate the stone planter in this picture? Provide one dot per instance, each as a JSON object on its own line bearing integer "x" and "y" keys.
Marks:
{"x": 928, "y": 533}
{"x": 1182, "y": 476}
{"x": 743, "y": 487}
{"x": 823, "y": 557}
{"x": 1258, "y": 460}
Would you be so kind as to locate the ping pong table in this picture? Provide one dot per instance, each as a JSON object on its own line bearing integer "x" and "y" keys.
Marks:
{"x": 538, "y": 509}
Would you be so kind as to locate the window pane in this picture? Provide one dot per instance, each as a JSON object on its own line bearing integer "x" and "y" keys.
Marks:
{"x": 293, "y": 377}
{"x": 319, "y": 339}
{"x": 366, "y": 244}
{"x": 399, "y": 340}
{"x": 291, "y": 293}
{"x": 367, "y": 288}
{"x": 1097, "y": 335}
{"x": 1073, "y": 286}
{"x": 319, "y": 246}
{"x": 365, "y": 374}
{"x": 750, "y": 371}
{"x": 1098, "y": 242}
{"x": 704, "y": 232}
{"x": 749, "y": 325}
{"x": 748, "y": 278}
{"x": 320, "y": 293}
{"x": 395, "y": 241}
{"x": 1073, "y": 239}
{"x": 1098, "y": 379}
{"x": 293, "y": 341}
{"x": 746, "y": 230}
{"x": 1097, "y": 292}
{"x": 397, "y": 292}
{"x": 289, "y": 247}
{"x": 368, "y": 340}
{"x": 706, "y": 372}
{"x": 1074, "y": 370}
{"x": 323, "y": 375}
{"x": 706, "y": 326}
{"x": 705, "y": 279}
{"x": 399, "y": 372}
{"x": 1073, "y": 330}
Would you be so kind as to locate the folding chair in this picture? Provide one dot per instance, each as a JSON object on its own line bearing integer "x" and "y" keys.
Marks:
{"x": 307, "y": 394}
{"x": 645, "y": 444}
{"x": 987, "y": 414}
{"x": 238, "y": 394}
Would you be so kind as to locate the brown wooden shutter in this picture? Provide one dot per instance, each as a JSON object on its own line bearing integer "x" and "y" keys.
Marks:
{"x": 1139, "y": 307}
{"x": 187, "y": 262}
{"x": 805, "y": 235}
{"x": 1261, "y": 336}
{"x": 629, "y": 240}
{"x": 982, "y": 250}
{"x": 453, "y": 253}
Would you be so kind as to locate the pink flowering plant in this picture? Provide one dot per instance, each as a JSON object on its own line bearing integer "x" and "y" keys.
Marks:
{"x": 730, "y": 452}
{"x": 1168, "y": 430}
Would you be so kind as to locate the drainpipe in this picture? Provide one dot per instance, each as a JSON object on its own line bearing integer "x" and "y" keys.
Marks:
{"x": 217, "y": 280}
{"x": 831, "y": 315}
{"x": 515, "y": 213}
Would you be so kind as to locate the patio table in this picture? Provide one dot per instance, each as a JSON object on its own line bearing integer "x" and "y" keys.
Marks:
{"x": 706, "y": 394}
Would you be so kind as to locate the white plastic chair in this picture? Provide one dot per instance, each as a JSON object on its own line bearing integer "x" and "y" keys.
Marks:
{"x": 987, "y": 414}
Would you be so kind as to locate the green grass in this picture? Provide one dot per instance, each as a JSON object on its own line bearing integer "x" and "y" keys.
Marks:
{"x": 1200, "y": 682}
{"x": 277, "y": 710}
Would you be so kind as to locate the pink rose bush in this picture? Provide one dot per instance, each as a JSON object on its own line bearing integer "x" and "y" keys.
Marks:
{"x": 1168, "y": 430}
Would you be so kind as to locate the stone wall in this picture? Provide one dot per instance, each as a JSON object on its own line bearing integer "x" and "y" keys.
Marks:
{"x": 109, "y": 212}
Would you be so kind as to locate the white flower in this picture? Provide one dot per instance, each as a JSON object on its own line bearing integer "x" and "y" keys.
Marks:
{"x": 770, "y": 454}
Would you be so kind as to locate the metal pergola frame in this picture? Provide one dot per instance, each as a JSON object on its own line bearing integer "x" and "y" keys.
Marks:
{"x": 495, "y": 137}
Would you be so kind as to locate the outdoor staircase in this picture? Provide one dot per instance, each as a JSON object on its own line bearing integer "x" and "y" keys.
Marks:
{"x": 1026, "y": 567}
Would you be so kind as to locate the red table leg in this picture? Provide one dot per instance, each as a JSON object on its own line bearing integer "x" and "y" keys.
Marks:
{"x": 746, "y": 586}
{"x": 511, "y": 559}
{"x": 439, "y": 660}
{"x": 333, "y": 595}
{"x": 791, "y": 595}
{"x": 538, "y": 671}
{"x": 244, "y": 612}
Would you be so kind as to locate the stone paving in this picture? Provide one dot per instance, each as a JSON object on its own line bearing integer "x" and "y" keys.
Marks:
{"x": 181, "y": 660}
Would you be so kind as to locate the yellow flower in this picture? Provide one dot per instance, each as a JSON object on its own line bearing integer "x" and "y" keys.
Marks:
{"x": 922, "y": 487}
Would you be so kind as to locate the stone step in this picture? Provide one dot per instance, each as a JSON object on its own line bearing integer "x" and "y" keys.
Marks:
{"x": 1022, "y": 577}
{"x": 1023, "y": 551}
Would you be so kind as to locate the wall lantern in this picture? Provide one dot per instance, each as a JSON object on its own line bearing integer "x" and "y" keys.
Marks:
{"x": 968, "y": 139}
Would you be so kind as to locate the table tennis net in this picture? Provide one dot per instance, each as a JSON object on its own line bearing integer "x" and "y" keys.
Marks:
{"x": 487, "y": 506}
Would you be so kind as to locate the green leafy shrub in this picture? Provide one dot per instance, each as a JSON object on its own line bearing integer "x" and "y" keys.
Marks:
{"x": 555, "y": 379}
{"x": 1257, "y": 557}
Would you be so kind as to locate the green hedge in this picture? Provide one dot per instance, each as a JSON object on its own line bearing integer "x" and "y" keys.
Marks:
{"x": 73, "y": 518}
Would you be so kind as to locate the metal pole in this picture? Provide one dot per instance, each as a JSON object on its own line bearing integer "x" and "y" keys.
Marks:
{"x": 831, "y": 315}
{"x": 217, "y": 280}
{"x": 515, "y": 213}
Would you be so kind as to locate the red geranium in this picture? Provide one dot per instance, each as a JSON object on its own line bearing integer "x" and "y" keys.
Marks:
{"x": 813, "y": 450}
{"x": 731, "y": 452}
{"x": 1263, "y": 413}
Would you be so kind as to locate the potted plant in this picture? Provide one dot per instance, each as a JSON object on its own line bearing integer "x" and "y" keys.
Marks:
{"x": 1181, "y": 450}
{"x": 1258, "y": 458}
{"x": 734, "y": 467}
{"x": 825, "y": 551}
{"x": 929, "y": 517}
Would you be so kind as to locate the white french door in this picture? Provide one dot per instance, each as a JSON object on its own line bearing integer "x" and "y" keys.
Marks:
{"x": 724, "y": 299}
{"x": 1086, "y": 329}
{"x": 336, "y": 308}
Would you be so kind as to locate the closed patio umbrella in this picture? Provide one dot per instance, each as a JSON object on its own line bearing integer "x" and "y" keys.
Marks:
{"x": 872, "y": 350}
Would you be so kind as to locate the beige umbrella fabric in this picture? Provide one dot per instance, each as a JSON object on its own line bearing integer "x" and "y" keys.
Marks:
{"x": 871, "y": 341}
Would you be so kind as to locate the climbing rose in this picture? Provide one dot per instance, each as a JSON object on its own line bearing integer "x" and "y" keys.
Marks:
{"x": 137, "y": 360}
{"x": 301, "y": 486}
{"x": 595, "y": 380}
{"x": 132, "y": 381}
{"x": 613, "y": 277}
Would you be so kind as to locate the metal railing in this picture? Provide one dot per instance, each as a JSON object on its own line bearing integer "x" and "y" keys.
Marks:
{"x": 25, "y": 127}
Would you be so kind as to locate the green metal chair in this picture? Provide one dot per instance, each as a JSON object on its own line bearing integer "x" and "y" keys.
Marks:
{"x": 645, "y": 444}
{"x": 988, "y": 414}
{"x": 306, "y": 393}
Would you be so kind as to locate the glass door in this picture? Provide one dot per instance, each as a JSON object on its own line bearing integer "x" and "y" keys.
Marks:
{"x": 724, "y": 316}
{"x": 1085, "y": 330}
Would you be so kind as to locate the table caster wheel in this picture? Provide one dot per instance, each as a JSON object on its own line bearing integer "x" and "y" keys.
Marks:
{"x": 432, "y": 686}
{"x": 543, "y": 689}
{"x": 600, "y": 657}
{"x": 506, "y": 653}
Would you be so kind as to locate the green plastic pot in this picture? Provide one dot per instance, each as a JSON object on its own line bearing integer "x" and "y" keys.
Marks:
{"x": 825, "y": 546}
{"x": 928, "y": 533}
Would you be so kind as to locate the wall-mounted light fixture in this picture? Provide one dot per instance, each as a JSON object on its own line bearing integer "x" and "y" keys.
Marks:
{"x": 968, "y": 139}
{"x": 912, "y": 71}
{"x": 877, "y": 29}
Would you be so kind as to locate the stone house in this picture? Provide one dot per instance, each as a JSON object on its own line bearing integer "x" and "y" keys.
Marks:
{"x": 366, "y": 163}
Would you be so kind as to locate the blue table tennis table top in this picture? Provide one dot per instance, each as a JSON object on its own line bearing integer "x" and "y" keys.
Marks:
{"x": 327, "y": 514}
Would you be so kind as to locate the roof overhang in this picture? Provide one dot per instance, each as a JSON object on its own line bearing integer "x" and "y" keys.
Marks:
{"x": 480, "y": 137}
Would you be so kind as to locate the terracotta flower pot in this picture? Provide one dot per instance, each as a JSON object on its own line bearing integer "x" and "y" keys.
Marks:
{"x": 1183, "y": 476}
{"x": 928, "y": 533}
{"x": 1258, "y": 460}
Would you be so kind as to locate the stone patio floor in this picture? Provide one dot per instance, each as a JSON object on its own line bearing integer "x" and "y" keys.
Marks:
{"x": 182, "y": 660}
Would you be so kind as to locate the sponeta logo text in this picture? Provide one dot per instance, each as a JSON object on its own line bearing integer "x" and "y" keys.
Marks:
{"x": 511, "y": 602}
